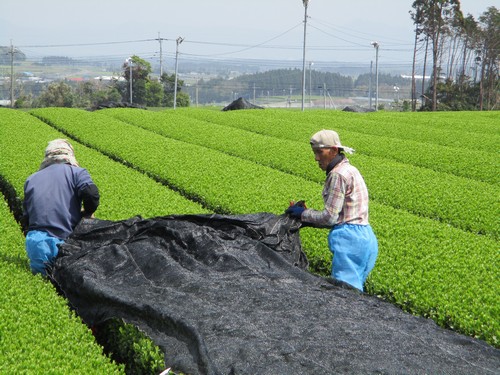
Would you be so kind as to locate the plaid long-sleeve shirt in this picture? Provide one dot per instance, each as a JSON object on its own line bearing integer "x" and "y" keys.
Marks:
{"x": 346, "y": 198}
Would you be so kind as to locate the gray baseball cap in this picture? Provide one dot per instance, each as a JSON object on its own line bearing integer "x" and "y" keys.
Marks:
{"x": 327, "y": 139}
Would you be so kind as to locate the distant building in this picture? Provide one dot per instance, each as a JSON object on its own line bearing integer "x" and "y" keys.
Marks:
{"x": 109, "y": 78}
{"x": 416, "y": 76}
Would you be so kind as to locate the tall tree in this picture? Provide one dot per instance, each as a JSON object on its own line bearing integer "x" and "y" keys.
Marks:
{"x": 490, "y": 30}
{"x": 168, "y": 82}
{"x": 470, "y": 38}
{"x": 436, "y": 17}
{"x": 137, "y": 71}
{"x": 154, "y": 94}
{"x": 57, "y": 94}
{"x": 417, "y": 17}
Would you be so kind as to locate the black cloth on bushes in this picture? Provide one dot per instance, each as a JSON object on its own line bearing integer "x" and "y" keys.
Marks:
{"x": 231, "y": 294}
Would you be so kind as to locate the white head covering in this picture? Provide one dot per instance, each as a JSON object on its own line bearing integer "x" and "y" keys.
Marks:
{"x": 59, "y": 151}
{"x": 327, "y": 139}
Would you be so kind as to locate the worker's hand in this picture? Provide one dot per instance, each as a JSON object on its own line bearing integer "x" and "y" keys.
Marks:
{"x": 87, "y": 215}
{"x": 296, "y": 209}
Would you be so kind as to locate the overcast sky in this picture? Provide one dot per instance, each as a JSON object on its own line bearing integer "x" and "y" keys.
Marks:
{"x": 338, "y": 31}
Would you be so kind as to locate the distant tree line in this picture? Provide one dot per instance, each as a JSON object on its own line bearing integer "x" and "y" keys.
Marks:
{"x": 137, "y": 87}
{"x": 463, "y": 53}
{"x": 288, "y": 83}
{"x": 146, "y": 91}
{"x": 283, "y": 83}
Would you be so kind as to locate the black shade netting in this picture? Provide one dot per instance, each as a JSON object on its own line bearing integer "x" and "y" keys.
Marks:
{"x": 222, "y": 294}
{"x": 241, "y": 103}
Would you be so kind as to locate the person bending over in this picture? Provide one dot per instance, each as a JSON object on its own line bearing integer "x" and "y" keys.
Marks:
{"x": 53, "y": 200}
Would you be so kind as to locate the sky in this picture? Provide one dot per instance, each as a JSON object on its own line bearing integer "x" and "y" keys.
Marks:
{"x": 337, "y": 32}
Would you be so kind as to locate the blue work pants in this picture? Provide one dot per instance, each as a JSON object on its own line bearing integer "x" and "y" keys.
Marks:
{"x": 355, "y": 250}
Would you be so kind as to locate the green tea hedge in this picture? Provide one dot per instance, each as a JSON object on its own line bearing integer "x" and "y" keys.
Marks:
{"x": 38, "y": 332}
{"x": 438, "y": 240}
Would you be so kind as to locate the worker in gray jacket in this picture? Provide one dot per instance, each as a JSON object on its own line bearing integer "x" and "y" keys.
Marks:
{"x": 53, "y": 199}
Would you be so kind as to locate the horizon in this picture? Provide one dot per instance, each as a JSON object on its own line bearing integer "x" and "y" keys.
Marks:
{"x": 109, "y": 31}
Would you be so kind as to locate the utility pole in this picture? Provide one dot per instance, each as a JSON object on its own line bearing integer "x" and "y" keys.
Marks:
{"x": 196, "y": 93}
{"x": 376, "y": 45}
{"x": 370, "y": 86}
{"x": 178, "y": 41}
{"x": 161, "y": 55}
{"x": 306, "y": 3}
{"x": 324, "y": 95}
{"x": 11, "y": 52}
{"x": 310, "y": 80}
{"x": 130, "y": 74}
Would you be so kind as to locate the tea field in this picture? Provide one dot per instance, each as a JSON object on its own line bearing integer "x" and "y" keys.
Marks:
{"x": 433, "y": 180}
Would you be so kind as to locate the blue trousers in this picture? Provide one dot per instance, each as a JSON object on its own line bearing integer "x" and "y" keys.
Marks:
{"x": 355, "y": 250}
{"x": 41, "y": 249}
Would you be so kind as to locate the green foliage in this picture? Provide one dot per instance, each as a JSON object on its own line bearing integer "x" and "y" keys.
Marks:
{"x": 276, "y": 83}
{"x": 414, "y": 168}
{"x": 109, "y": 94}
{"x": 58, "y": 94}
{"x": 389, "y": 80}
{"x": 141, "y": 69}
{"x": 434, "y": 201}
{"x": 154, "y": 96}
{"x": 123, "y": 194}
{"x": 442, "y": 26}
{"x": 434, "y": 196}
{"x": 23, "y": 101}
{"x": 128, "y": 345}
{"x": 123, "y": 190}
{"x": 182, "y": 99}
{"x": 90, "y": 94}
{"x": 38, "y": 332}
{"x": 216, "y": 171}
{"x": 455, "y": 96}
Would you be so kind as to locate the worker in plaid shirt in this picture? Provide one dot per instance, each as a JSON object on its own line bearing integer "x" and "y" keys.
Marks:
{"x": 351, "y": 238}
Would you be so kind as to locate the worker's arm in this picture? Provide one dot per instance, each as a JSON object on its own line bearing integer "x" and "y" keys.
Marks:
{"x": 90, "y": 199}
{"x": 25, "y": 220}
{"x": 333, "y": 196}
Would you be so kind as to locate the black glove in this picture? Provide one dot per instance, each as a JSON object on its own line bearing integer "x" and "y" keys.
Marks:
{"x": 296, "y": 209}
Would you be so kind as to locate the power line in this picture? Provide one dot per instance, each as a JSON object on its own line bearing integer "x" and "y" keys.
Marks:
{"x": 367, "y": 37}
{"x": 247, "y": 47}
{"x": 87, "y": 44}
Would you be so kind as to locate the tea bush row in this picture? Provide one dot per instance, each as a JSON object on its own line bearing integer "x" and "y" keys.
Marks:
{"x": 424, "y": 249}
{"x": 124, "y": 193}
{"x": 474, "y": 131}
{"x": 448, "y": 198}
{"x": 416, "y": 139}
{"x": 38, "y": 332}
